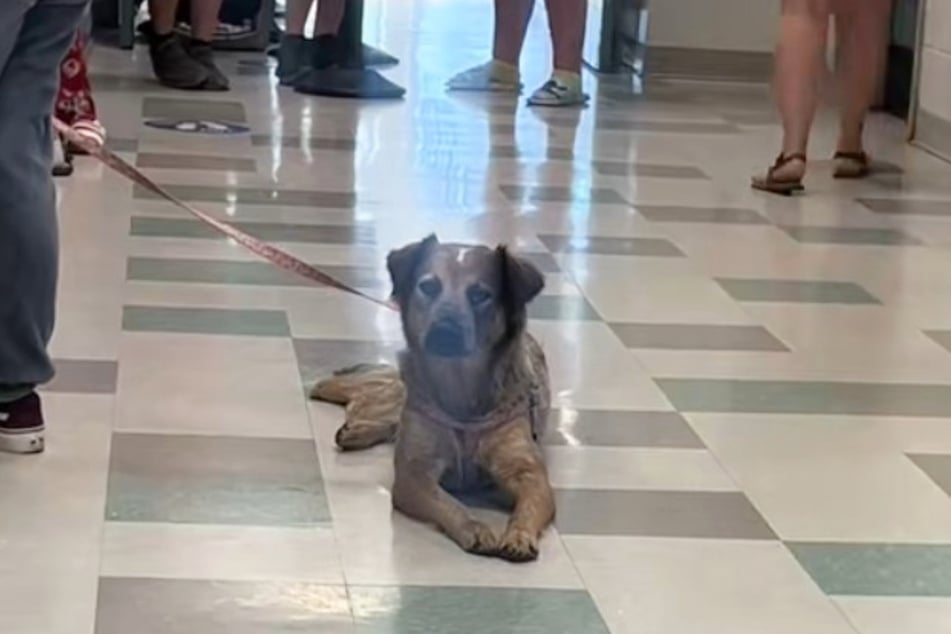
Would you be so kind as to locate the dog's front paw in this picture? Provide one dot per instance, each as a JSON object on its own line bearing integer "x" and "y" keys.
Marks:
{"x": 518, "y": 546}
{"x": 477, "y": 538}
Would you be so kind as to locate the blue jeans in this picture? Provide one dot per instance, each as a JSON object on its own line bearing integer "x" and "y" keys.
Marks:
{"x": 34, "y": 38}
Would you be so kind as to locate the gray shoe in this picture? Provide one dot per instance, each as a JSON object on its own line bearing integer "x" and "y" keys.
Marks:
{"x": 293, "y": 59}
{"x": 173, "y": 66}
{"x": 204, "y": 55}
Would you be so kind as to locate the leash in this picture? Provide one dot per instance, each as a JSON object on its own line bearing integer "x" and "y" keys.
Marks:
{"x": 275, "y": 256}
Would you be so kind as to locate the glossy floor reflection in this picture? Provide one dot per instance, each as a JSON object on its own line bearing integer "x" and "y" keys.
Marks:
{"x": 752, "y": 394}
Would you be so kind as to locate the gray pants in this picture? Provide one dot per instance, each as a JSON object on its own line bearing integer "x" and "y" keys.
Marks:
{"x": 34, "y": 38}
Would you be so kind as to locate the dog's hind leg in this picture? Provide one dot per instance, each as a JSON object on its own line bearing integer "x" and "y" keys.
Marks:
{"x": 347, "y": 384}
{"x": 374, "y": 397}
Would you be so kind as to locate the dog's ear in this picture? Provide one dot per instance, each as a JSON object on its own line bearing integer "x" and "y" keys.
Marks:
{"x": 521, "y": 280}
{"x": 403, "y": 264}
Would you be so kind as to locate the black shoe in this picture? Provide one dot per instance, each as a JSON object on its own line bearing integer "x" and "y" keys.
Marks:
{"x": 22, "y": 429}
{"x": 293, "y": 59}
{"x": 173, "y": 66}
{"x": 202, "y": 53}
{"x": 62, "y": 158}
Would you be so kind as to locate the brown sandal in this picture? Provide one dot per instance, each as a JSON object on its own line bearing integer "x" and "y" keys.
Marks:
{"x": 784, "y": 186}
{"x": 851, "y": 165}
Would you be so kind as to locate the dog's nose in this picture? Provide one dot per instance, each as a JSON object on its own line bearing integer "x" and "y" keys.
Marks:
{"x": 446, "y": 338}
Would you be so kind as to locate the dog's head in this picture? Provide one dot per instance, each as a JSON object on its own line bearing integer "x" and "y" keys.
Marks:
{"x": 457, "y": 301}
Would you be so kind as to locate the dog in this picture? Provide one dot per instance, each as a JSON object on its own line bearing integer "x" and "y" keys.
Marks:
{"x": 468, "y": 404}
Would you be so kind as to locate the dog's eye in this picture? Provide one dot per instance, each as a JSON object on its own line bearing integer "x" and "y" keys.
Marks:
{"x": 478, "y": 295}
{"x": 430, "y": 287}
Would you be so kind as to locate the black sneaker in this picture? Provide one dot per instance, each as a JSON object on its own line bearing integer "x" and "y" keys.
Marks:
{"x": 21, "y": 425}
{"x": 173, "y": 66}
{"x": 202, "y": 53}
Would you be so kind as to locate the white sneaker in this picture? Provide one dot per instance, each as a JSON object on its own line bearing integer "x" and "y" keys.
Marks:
{"x": 555, "y": 94}
{"x": 482, "y": 79}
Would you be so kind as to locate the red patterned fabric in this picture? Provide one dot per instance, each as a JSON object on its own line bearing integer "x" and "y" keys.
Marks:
{"x": 74, "y": 101}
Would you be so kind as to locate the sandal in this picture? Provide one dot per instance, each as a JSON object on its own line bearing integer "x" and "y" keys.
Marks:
{"x": 782, "y": 186}
{"x": 851, "y": 165}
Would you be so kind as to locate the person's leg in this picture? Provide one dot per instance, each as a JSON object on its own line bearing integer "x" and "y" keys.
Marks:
{"x": 566, "y": 23}
{"x": 171, "y": 62}
{"x": 862, "y": 31}
{"x": 327, "y": 47}
{"x": 204, "y": 23}
{"x": 32, "y": 43}
{"x": 800, "y": 59}
{"x": 501, "y": 73}
{"x": 293, "y": 56}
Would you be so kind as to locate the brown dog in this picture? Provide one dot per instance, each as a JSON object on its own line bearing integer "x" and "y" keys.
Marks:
{"x": 470, "y": 399}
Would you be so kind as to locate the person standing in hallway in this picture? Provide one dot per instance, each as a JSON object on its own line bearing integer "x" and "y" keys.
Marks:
{"x": 185, "y": 64}
{"x": 861, "y": 33}
{"x": 34, "y": 38}
{"x": 566, "y": 19}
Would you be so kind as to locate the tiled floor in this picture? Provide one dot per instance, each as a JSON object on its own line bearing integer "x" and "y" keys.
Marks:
{"x": 753, "y": 423}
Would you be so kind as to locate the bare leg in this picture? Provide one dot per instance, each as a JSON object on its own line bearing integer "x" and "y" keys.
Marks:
{"x": 800, "y": 58}
{"x": 862, "y": 27}
{"x": 297, "y": 12}
{"x": 511, "y": 25}
{"x": 329, "y": 16}
{"x": 566, "y": 21}
{"x": 204, "y": 19}
{"x": 163, "y": 13}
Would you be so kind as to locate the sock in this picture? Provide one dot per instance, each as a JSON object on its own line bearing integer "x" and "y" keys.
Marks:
{"x": 504, "y": 72}
{"x": 194, "y": 42}
{"x": 568, "y": 79}
{"x": 325, "y": 51}
{"x": 159, "y": 38}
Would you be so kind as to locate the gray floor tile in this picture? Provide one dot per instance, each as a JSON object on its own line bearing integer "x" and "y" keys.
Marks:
{"x": 205, "y": 321}
{"x": 642, "y": 247}
{"x": 694, "y": 514}
{"x": 808, "y": 397}
{"x": 313, "y": 143}
{"x": 649, "y": 170}
{"x": 209, "y": 272}
{"x": 711, "y": 215}
{"x": 202, "y": 109}
{"x": 134, "y": 84}
{"x": 267, "y": 231}
{"x": 179, "y": 161}
{"x": 186, "y": 606}
{"x": 215, "y": 480}
{"x": 698, "y": 337}
{"x": 243, "y": 273}
{"x": 609, "y": 428}
{"x": 941, "y": 337}
{"x": 667, "y": 127}
{"x": 545, "y": 262}
{"x": 428, "y": 610}
{"x": 118, "y": 144}
{"x": 917, "y": 570}
{"x": 319, "y": 358}
{"x": 562, "y": 308}
{"x": 907, "y": 207}
{"x": 796, "y": 291}
{"x": 937, "y": 466}
{"x": 550, "y": 153}
{"x": 252, "y": 196}
{"x": 554, "y": 194}
{"x": 84, "y": 376}
{"x": 850, "y": 235}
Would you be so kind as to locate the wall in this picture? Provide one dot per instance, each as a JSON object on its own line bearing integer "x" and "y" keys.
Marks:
{"x": 713, "y": 39}
{"x": 933, "y": 127}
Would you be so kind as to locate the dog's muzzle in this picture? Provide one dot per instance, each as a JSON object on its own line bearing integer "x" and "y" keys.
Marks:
{"x": 446, "y": 338}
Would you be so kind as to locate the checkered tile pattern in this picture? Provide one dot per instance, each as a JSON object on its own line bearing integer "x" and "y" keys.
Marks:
{"x": 752, "y": 394}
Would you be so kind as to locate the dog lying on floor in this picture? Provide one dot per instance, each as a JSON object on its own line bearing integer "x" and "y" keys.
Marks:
{"x": 468, "y": 404}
